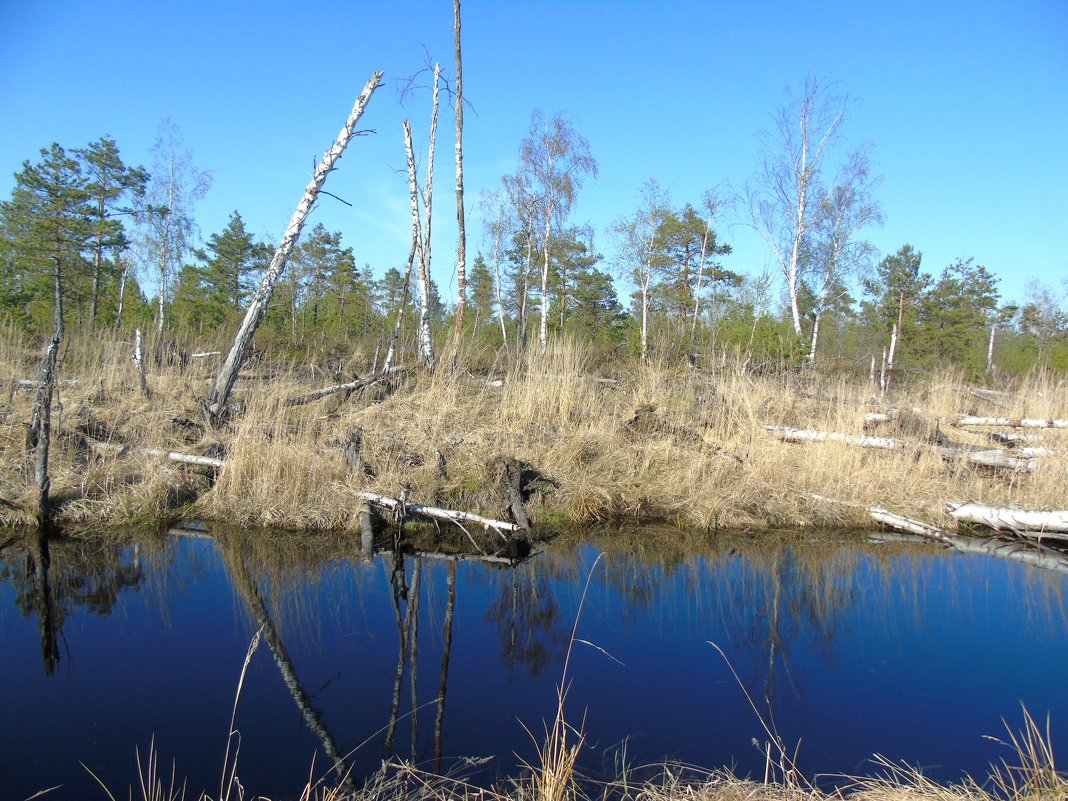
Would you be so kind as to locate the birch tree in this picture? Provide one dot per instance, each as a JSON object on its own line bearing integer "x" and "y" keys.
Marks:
{"x": 777, "y": 202}
{"x": 557, "y": 160}
{"x": 640, "y": 248}
{"x": 495, "y": 225}
{"x": 843, "y": 211}
{"x": 174, "y": 188}
{"x": 421, "y": 230}
{"x": 524, "y": 205}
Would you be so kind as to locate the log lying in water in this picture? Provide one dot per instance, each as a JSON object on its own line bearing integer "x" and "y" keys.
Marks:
{"x": 1007, "y": 422}
{"x": 895, "y": 521}
{"x": 434, "y": 513}
{"x": 1030, "y": 552}
{"x": 987, "y": 458}
{"x": 1026, "y": 522}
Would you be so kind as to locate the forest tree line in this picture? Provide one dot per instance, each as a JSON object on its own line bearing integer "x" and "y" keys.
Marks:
{"x": 83, "y": 234}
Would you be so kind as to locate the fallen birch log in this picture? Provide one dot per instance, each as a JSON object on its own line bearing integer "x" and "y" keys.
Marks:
{"x": 789, "y": 434}
{"x": 435, "y": 513}
{"x": 888, "y": 518}
{"x": 174, "y": 456}
{"x": 986, "y": 458}
{"x": 1026, "y": 522}
{"x": 1031, "y": 553}
{"x": 351, "y": 386}
{"x": 1007, "y": 422}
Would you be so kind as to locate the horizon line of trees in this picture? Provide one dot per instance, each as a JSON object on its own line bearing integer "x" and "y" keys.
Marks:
{"x": 80, "y": 228}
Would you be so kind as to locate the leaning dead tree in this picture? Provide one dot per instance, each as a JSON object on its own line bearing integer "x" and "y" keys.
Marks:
{"x": 224, "y": 383}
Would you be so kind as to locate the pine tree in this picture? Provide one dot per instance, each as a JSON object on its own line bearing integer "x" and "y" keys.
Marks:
{"x": 47, "y": 230}
{"x": 114, "y": 191}
{"x": 230, "y": 261}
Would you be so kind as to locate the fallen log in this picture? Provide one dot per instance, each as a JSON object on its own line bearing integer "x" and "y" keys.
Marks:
{"x": 351, "y": 386}
{"x": 888, "y": 518}
{"x": 789, "y": 434}
{"x": 1025, "y": 522}
{"x": 1006, "y": 422}
{"x": 397, "y": 506}
{"x": 986, "y": 458}
{"x": 1032, "y": 553}
{"x": 174, "y": 456}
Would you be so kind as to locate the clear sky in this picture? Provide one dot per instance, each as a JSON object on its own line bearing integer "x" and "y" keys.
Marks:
{"x": 965, "y": 104}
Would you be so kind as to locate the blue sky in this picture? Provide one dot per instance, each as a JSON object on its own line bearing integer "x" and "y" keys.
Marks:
{"x": 965, "y": 105}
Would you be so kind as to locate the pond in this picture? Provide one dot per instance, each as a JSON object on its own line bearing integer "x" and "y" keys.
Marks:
{"x": 846, "y": 648}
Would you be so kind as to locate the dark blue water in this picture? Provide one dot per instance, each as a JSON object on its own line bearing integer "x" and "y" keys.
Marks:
{"x": 847, "y": 649}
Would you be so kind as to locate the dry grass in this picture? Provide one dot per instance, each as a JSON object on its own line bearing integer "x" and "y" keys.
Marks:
{"x": 660, "y": 442}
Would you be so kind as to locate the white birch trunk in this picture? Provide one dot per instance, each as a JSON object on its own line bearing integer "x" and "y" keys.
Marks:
{"x": 164, "y": 253}
{"x": 893, "y": 348}
{"x": 1023, "y": 521}
{"x": 496, "y": 256}
{"x": 990, "y": 351}
{"x": 461, "y": 238}
{"x": 224, "y": 383}
{"x": 700, "y": 281}
{"x": 543, "y": 330}
{"x": 139, "y": 364}
{"x": 1008, "y": 422}
{"x": 986, "y": 458}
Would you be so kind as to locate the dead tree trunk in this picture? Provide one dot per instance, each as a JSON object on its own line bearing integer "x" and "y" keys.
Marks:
{"x": 38, "y": 438}
{"x": 398, "y": 324}
{"x": 461, "y": 237}
{"x": 224, "y": 383}
{"x": 139, "y": 363}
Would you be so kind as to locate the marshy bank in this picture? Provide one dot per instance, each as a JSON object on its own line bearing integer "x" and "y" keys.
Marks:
{"x": 706, "y": 445}
{"x": 449, "y": 668}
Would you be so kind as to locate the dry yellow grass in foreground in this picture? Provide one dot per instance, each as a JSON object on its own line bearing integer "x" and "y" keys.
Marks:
{"x": 621, "y": 441}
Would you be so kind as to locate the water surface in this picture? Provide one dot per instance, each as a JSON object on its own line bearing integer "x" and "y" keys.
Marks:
{"x": 847, "y": 649}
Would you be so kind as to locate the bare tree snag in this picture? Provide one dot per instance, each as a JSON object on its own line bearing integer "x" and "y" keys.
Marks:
{"x": 398, "y": 323}
{"x": 139, "y": 363}
{"x": 461, "y": 236}
{"x": 38, "y": 438}
{"x": 224, "y": 383}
